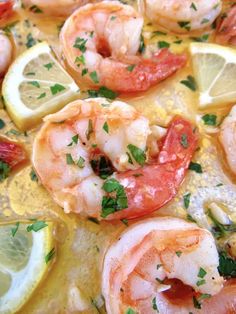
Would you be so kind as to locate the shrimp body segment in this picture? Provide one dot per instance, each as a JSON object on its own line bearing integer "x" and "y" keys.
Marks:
{"x": 78, "y": 143}
{"x": 56, "y": 8}
{"x": 183, "y": 15}
{"x": 228, "y": 138}
{"x": 153, "y": 258}
{"x": 100, "y": 43}
{"x": 5, "y": 53}
{"x": 226, "y": 33}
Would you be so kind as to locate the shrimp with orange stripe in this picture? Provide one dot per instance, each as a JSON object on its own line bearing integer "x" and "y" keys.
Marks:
{"x": 104, "y": 160}
{"x": 100, "y": 43}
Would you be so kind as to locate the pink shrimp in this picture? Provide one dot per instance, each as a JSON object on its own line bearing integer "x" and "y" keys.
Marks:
{"x": 226, "y": 31}
{"x": 95, "y": 161}
{"x": 100, "y": 43}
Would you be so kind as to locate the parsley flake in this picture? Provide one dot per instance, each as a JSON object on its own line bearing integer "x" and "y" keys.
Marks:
{"x": 49, "y": 65}
{"x": 202, "y": 273}
{"x": 193, "y": 6}
{"x": 184, "y": 140}
{"x": 187, "y": 200}
{"x": 15, "y": 229}
{"x": 190, "y": 83}
{"x": 178, "y": 253}
{"x": 141, "y": 48}
{"x": 80, "y": 162}
{"x": 130, "y": 311}
{"x": 163, "y": 44}
{"x": 34, "y": 83}
{"x": 69, "y": 159}
{"x": 204, "y": 21}
{"x": 36, "y": 226}
{"x": 89, "y": 129}
{"x": 94, "y": 77}
{"x": 194, "y": 166}
{"x": 185, "y": 24}
{"x": 80, "y": 43}
{"x": 154, "y": 305}
{"x": 4, "y": 170}
{"x": 33, "y": 175}
{"x": 57, "y": 88}
{"x": 106, "y": 127}
{"x": 209, "y": 119}
{"x": 137, "y": 153}
{"x": 74, "y": 140}
{"x": 2, "y": 124}
{"x": 227, "y": 266}
{"x": 50, "y": 255}
{"x": 41, "y": 96}
{"x": 131, "y": 67}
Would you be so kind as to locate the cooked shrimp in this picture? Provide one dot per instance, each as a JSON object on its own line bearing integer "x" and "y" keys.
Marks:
{"x": 183, "y": 15}
{"x": 228, "y": 138}
{"x": 92, "y": 157}
{"x": 56, "y": 7}
{"x": 5, "y": 9}
{"x": 5, "y": 53}
{"x": 165, "y": 265}
{"x": 100, "y": 43}
{"x": 226, "y": 31}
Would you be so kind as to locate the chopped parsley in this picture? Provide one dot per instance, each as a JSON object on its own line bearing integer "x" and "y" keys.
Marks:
{"x": 106, "y": 127}
{"x": 178, "y": 42}
{"x": 103, "y": 92}
{"x": 34, "y": 83}
{"x": 209, "y": 119}
{"x": 80, "y": 162}
{"x": 49, "y": 65}
{"x": 194, "y": 166}
{"x": 69, "y": 159}
{"x": 94, "y": 77}
{"x": 80, "y": 60}
{"x": 80, "y": 43}
{"x": 36, "y": 226}
{"x": 130, "y": 311}
{"x": 185, "y": 24}
{"x": 131, "y": 67}
{"x": 89, "y": 130}
{"x": 113, "y": 18}
{"x": 219, "y": 230}
{"x": 33, "y": 175}
{"x": 84, "y": 72}
{"x": 50, "y": 255}
{"x": 227, "y": 266}
{"x": 35, "y": 9}
{"x": 201, "y": 39}
{"x": 193, "y": 6}
{"x": 74, "y": 140}
{"x": 156, "y": 33}
{"x": 190, "y": 218}
{"x": 141, "y": 48}
{"x": 154, "y": 305}
{"x": 178, "y": 253}
{"x": 184, "y": 140}
{"x": 2, "y": 124}
{"x": 4, "y": 170}
{"x": 15, "y": 229}
{"x": 137, "y": 153}
{"x": 125, "y": 222}
{"x": 30, "y": 41}
{"x": 204, "y": 21}
{"x": 111, "y": 204}
{"x": 187, "y": 200}
{"x": 190, "y": 83}
{"x": 57, "y": 88}
{"x": 202, "y": 273}
{"x": 201, "y": 282}
{"x": 159, "y": 266}
{"x": 163, "y": 44}
{"x": 41, "y": 96}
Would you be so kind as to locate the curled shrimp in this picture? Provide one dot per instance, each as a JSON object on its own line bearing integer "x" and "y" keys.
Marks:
{"x": 53, "y": 7}
{"x": 226, "y": 31}
{"x": 183, "y": 15}
{"x": 165, "y": 265}
{"x": 228, "y": 138}
{"x": 94, "y": 158}
{"x": 100, "y": 43}
{"x": 5, "y": 53}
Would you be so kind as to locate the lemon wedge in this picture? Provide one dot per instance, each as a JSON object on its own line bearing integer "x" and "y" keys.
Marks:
{"x": 36, "y": 85}
{"x": 215, "y": 72}
{"x": 24, "y": 260}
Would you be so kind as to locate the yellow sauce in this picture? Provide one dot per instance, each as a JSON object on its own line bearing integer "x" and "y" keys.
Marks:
{"x": 81, "y": 243}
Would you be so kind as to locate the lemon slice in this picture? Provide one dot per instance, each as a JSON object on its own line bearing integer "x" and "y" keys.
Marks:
{"x": 23, "y": 264}
{"x": 36, "y": 85}
{"x": 215, "y": 71}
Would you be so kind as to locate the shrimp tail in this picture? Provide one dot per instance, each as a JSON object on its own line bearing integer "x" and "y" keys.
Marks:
{"x": 146, "y": 72}
{"x": 154, "y": 185}
{"x": 11, "y": 153}
{"x": 6, "y": 9}
{"x": 226, "y": 30}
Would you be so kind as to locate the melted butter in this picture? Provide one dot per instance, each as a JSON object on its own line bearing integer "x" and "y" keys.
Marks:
{"x": 81, "y": 243}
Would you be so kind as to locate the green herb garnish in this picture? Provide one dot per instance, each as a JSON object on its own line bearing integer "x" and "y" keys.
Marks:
{"x": 194, "y": 166}
{"x": 190, "y": 83}
{"x": 138, "y": 154}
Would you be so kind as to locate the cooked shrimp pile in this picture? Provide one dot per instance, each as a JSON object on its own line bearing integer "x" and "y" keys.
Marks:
{"x": 165, "y": 265}
{"x": 87, "y": 141}
{"x": 100, "y": 43}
